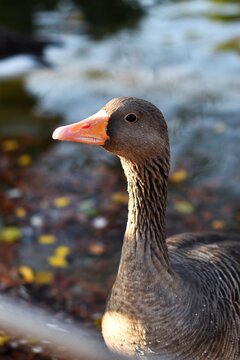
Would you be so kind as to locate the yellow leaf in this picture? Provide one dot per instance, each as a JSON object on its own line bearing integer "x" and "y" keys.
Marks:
{"x": 61, "y": 202}
{"x": 184, "y": 207}
{"x": 10, "y": 234}
{"x": 120, "y": 198}
{"x": 62, "y": 251}
{"x": 27, "y": 273}
{"x": 43, "y": 277}
{"x": 218, "y": 225}
{"x": 20, "y": 212}
{"x": 178, "y": 176}
{"x": 24, "y": 160}
{"x": 98, "y": 322}
{"x": 46, "y": 239}
{"x": 10, "y": 145}
{"x": 59, "y": 257}
{"x": 3, "y": 339}
{"x": 57, "y": 261}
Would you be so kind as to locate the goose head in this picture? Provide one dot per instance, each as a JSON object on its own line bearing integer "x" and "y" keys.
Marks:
{"x": 131, "y": 128}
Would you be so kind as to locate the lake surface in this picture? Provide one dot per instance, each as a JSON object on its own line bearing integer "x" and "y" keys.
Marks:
{"x": 183, "y": 56}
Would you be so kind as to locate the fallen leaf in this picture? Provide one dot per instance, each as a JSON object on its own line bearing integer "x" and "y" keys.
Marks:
{"x": 120, "y": 198}
{"x": 20, "y": 212}
{"x": 24, "y": 160}
{"x": 184, "y": 207}
{"x": 97, "y": 248}
{"x": 88, "y": 207}
{"x": 218, "y": 224}
{"x": 57, "y": 261}
{"x": 43, "y": 277}
{"x": 62, "y": 251}
{"x": 27, "y": 273}
{"x": 10, "y": 234}
{"x": 3, "y": 339}
{"x": 10, "y": 145}
{"x": 61, "y": 202}
{"x": 98, "y": 322}
{"x": 59, "y": 257}
{"x": 46, "y": 239}
{"x": 178, "y": 176}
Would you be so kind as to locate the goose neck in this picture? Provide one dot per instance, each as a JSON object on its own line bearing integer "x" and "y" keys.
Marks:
{"x": 145, "y": 232}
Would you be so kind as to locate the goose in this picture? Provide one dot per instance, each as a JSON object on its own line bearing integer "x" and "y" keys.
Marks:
{"x": 176, "y": 298}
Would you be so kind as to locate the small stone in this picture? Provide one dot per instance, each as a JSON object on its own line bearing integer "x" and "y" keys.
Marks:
{"x": 36, "y": 221}
{"x": 14, "y": 193}
{"x": 99, "y": 222}
{"x": 37, "y": 349}
{"x": 14, "y": 344}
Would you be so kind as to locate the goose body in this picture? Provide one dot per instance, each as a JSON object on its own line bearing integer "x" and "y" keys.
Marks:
{"x": 175, "y": 298}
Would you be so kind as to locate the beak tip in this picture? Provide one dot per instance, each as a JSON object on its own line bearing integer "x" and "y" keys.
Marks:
{"x": 56, "y": 133}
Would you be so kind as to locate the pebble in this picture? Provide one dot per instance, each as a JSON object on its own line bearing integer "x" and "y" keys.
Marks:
{"x": 36, "y": 221}
{"x": 37, "y": 349}
{"x": 14, "y": 193}
{"x": 99, "y": 222}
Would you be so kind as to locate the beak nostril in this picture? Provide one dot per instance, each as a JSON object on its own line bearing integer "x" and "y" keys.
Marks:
{"x": 86, "y": 126}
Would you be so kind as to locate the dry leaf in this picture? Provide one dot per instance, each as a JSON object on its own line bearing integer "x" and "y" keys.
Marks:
{"x": 46, "y": 239}
{"x": 27, "y": 273}
{"x": 10, "y": 234}
{"x": 43, "y": 277}
{"x": 3, "y": 339}
{"x": 218, "y": 225}
{"x": 10, "y": 145}
{"x": 178, "y": 176}
{"x": 57, "y": 261}
{"x": 61, "y": 202}
{"x": 62, "y": 251}
{"x": 24, "y": 160}
{"x": 120, "y": 198}
{"x": 184, "y": 207}
{"x": 97, "y": 248}
{"x": 20, "y": 212}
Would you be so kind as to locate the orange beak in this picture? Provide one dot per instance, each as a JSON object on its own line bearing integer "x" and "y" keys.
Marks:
{"x": 92, "y": 130}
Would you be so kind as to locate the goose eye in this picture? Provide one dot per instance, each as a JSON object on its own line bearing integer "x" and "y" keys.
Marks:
{"x": 131, "y": 118}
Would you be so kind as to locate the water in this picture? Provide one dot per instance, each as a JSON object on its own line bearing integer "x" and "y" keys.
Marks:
{"x": 171, "y": 58}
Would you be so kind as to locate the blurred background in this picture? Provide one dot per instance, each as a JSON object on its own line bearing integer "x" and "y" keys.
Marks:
{"x": 63, "y": 206}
